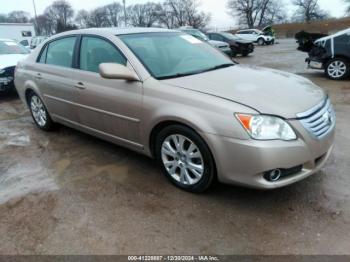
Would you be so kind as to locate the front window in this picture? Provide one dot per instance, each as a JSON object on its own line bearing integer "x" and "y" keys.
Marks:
{"x": 11, "y": 47}
{"x": 95, "y": 51}
{"x": 171, "y": 55}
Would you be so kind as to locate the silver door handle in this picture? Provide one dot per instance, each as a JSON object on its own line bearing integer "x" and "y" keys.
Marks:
{"x": 80, "y": 86}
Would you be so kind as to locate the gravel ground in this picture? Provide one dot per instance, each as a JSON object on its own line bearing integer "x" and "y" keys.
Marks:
{"x": 70, "y": 193}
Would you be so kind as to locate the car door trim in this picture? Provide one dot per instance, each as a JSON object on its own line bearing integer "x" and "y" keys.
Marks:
{"x": 94, "y": 109}
{"x": 99, "y": 132}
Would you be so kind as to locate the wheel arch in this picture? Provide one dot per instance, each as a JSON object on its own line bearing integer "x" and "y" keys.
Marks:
{"x": 163, "y": 124}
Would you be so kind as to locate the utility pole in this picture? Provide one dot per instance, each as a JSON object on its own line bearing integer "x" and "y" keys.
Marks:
{"x": 36, "y": 17}
{"x": 124, "y": 13}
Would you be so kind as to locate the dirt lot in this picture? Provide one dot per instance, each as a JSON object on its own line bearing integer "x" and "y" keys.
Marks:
{"x": 70, "y": 193}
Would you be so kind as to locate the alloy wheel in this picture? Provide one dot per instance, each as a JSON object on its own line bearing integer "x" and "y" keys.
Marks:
{"x": 182, "y": 159}
{"x": 337, "y": 69}
{"x": 38, "y": 111}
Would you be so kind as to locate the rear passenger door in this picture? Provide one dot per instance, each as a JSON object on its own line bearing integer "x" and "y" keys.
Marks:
{"x": 53, "y": 75}
{"x": 107, "y": 107}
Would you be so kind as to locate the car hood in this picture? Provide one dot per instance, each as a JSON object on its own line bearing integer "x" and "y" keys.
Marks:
{"x": 218, "y": 43}
{"x": 267, "y": 91}
{"x": 10, "y": 60}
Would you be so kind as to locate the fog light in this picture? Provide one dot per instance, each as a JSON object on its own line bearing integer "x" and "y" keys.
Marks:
{"x": 273, "y": 175}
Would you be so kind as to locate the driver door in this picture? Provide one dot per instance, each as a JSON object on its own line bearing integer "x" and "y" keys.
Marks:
{"x": 107, "y": 107}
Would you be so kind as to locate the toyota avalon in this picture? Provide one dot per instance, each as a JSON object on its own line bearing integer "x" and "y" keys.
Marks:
{"x": 172, "y": 97}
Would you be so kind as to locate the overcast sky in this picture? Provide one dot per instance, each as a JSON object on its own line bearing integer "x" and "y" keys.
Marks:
{"x": 217, "y": 8}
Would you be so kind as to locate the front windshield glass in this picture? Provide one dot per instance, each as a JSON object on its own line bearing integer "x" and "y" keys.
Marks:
{"x": 171, "y": 55}
{"x": 11, "y": 47}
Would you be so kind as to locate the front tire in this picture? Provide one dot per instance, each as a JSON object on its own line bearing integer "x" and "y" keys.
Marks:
{"x": 185, "y": 158}
{"x": 39, "y": 113}
{"x": 261, "y": 41}
{"x": 338, "y": 69}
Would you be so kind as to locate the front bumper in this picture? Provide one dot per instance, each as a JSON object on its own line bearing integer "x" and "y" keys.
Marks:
{"x": 246, "y": 48}
{"x": 245, "y": 162}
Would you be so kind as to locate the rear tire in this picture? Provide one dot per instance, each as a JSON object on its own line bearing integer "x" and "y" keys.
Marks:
{"x": 39, "y": 113}
{"x": 185, "y": 158}
{"x": 338, "y": 69}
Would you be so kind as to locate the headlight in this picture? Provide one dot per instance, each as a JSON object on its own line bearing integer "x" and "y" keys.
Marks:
{"x": 263, "y": 127}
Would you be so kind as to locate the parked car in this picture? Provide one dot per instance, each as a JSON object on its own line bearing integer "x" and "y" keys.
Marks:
{"x": 224, "y": 47}
{"x": 332, "y": 54}
{"x": 167, "y": 95}
{"x": 256, "y": 36}
{"x": 37, "y": 41}
{"x": 237, "y": 45}
{"x": 10, "y": 53}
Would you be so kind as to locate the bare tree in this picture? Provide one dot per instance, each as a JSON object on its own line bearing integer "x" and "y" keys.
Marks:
{"x": 61, "y": 13}
{"x": 3, "y": 18}
{"x": 177, "y": 13}
{"x": 308, "y": 10}
{"x": 256, "y": 12}
{"x": 98, "y": 18}
{"x": 115, "y": 13}
{"x": 348, "y": 8}
{"x": 144, "y": 15}
{"x": 18, "y": 17}
{"x": 45, "y": 26}
{"x": 82, "y": 18}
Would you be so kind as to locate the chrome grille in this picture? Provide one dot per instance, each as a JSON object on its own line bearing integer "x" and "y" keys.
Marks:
{"x": 319, "y": 120}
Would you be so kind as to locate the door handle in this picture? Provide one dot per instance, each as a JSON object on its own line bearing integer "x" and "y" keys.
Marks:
{"x": 80, "y": 85}
{"x": 38, "y": 76}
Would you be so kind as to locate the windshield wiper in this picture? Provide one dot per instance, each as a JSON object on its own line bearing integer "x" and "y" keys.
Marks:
{"x": 218, "y": 67}
{"x": 196, "y": 72}
{"x": 180, "y": 75}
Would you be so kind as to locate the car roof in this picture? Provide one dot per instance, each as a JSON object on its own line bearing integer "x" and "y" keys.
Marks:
{"x": 120, "y": 31}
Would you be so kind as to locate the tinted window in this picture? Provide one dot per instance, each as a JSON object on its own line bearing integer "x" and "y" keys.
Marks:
{"x": 60, "y": 52}
{"x": 95, "y": 51}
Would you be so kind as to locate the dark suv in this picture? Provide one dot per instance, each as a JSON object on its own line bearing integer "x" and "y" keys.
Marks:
{"x": 238, "y": 45}
{"x": 332, "y": 54}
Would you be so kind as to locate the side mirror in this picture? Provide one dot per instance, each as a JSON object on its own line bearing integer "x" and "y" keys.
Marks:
{"x": 117, "y": 71}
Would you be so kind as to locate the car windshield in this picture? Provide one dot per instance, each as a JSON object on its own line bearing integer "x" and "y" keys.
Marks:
{"x": 171, "y": 55}
{"x": 231, "y": 36}
{"x": 11, "y": 47}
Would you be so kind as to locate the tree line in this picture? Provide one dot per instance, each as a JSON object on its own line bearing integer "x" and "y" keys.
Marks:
{"x": 60, "y": 15}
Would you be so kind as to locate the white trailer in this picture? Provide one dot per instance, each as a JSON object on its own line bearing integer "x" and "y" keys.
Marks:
{"x": 20, "y": 32}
